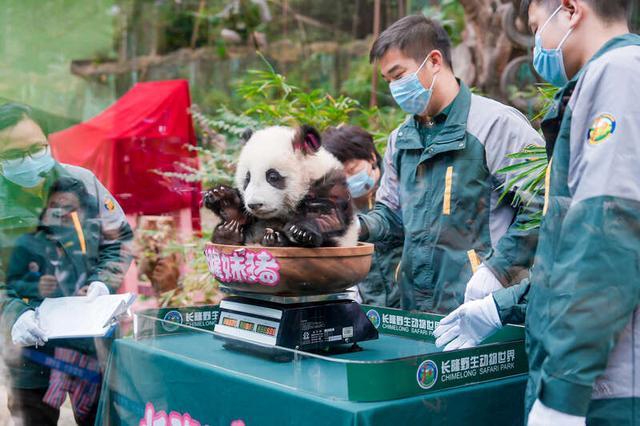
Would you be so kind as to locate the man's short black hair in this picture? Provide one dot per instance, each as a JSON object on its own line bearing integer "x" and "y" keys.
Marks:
{"x": 12, "y": 113}
{"x": 415, "y": 36}
{"x": 350, "y": 143}
{"x": 608, "y": 10}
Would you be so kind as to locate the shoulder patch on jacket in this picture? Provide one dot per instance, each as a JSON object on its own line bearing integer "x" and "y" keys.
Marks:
{"x": 109, "y": 204}
{"x": 601, "y": 129}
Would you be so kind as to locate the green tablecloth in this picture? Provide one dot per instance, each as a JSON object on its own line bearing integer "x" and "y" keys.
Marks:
{"x": 191, "y": 373}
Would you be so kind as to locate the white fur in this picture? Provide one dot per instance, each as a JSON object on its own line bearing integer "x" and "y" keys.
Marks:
{"x": 350, "y": 238}
{"x": 272, "y": 148}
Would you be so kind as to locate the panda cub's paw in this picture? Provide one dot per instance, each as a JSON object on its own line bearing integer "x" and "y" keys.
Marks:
{"x": 228, "y": 233}
{"x": 273, "y": 238}
{"x": 303, "y": 234}
{"x": 225, "y": 202}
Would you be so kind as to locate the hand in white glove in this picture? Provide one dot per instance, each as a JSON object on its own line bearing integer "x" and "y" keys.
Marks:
{"x": 542, "y": 415}
{"x": 96, "y": 289}
{"x": 481, "y": 284}
{"x": 27, "y": 331}
{"x": 468, "y": 325}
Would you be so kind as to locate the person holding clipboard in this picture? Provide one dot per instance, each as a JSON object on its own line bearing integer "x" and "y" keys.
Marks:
{"x": 61, "y": 234}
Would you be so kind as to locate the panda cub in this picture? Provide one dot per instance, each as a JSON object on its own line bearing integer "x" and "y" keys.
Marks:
{"x": 289, "y": 191}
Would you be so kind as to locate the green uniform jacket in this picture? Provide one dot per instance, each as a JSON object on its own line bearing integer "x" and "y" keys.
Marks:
{"x": 107, "y": 237}
{"x": 381, "y": 287}
{"x": 440, "y": 191}
{"x": 582, "y": 320}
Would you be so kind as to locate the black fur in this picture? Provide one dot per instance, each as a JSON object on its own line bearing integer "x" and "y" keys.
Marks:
{"x": 226, "y": 203}
{"x": 325, "y": 213}
{"x": 275, "y": 179}
{"x": 307, "y": 140}
{"x": 246, "y": 135}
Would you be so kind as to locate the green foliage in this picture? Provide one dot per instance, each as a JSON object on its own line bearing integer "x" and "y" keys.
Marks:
{"x": 180, "y": 18}
{"x": 529, "y": 179}
{"x": 451, "y": 14}
{"x": 197, "y": 280}
{"x": 529, "y": 174}
{"x": 358, "y": 83}
{"x": 272, "y": 99}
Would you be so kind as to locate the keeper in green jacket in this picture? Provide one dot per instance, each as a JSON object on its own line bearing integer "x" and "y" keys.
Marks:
{"x": 441, "y": 188}
{"x": 61, "y": 234}
{"x": 582, "y": 318}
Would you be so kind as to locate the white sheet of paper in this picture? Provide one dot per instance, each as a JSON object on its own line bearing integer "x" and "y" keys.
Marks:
{"x": 78, "y": 316}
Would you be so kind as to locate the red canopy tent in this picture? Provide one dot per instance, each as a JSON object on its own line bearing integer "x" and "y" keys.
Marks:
{"x": 147, "y": 130}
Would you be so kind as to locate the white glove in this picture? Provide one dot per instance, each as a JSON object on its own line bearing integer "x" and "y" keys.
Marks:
{"x": 96, "y": 289}
{"x": 468, "y": 325}
{"x": 481, "y": 284}
{"x": 27, "y": 331}
{"x": 354, "y": 294}
{"x": 541, "y": 415}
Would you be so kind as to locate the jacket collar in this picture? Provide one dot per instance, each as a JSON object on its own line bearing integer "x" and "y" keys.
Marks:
{"x": 615, "y": 43}
{"x": 454, "y": 128}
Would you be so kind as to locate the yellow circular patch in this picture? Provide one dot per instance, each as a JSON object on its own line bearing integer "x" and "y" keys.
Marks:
{"x": 109, "y": 204}
{"x": 602, "y": 128}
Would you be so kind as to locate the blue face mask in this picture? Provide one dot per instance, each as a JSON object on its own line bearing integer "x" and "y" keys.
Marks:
{"x": 410, "y": 94}
{"x": 549, "y": 63}
{"x": 360, "y": 184}
{"x": 27, "y": 172}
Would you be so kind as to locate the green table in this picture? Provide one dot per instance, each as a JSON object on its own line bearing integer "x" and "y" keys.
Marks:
{"x": 191, "y": 373}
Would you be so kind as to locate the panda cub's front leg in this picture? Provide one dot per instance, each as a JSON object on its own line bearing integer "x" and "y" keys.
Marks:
{"x": 226, "y": 203}
{"x": 304, "y": 232}
{"x": 228, "y": 233}
{"x": 273, "y": 238}
{"x": 324, "y": 214}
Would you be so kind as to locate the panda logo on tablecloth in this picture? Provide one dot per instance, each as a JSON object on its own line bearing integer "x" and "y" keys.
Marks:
{"x": 289, "y": 191}
{"x": 172, "y": 320}
{"x": 427, "y": 374}
{"x": 374, "y": 317}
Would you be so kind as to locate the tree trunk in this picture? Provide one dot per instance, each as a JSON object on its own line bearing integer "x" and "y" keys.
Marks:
{"x": 490, "y": 47}
{"x": 373, "y": 100}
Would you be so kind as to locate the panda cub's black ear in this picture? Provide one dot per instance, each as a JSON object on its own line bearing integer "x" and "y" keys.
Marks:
{"x": 246, "y": 135}
{"x": 307, "y": 140}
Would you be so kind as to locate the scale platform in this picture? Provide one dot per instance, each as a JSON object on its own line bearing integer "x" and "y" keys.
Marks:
{"x": 307, "y": 323}
{"x": 402, "y": 362}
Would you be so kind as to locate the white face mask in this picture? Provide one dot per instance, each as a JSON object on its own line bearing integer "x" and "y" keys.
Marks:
{"x": 410, "y": 94}
{"x": 549, "y": 63}
{"x": 28, "y": 172}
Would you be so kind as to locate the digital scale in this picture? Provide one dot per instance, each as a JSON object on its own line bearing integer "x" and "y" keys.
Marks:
{"x": 282, "y": 299}
{"x": 262, "y": 323}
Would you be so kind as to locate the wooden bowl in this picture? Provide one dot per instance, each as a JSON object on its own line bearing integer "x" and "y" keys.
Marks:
{"x": 289, "y": 271}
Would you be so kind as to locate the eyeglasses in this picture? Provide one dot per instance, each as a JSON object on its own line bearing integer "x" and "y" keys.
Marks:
{"x": 34, "y": 152}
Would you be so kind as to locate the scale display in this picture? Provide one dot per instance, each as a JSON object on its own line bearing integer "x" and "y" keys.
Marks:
{"x": 247, "y": 327}
{"x": 304, "y": 326}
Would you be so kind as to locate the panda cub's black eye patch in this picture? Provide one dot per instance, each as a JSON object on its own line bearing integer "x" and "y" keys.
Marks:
{"x": 275, "y": 179}
{"x": 247, "y": 179}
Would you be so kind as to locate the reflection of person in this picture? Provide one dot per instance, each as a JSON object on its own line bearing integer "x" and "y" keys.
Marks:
{"x": 53, "y": 260}
{"x": 74, "y": 241}
{"x": 354, "y": 147}
{"x": 582, "y": 317}
{"x": 441, "y": 186}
